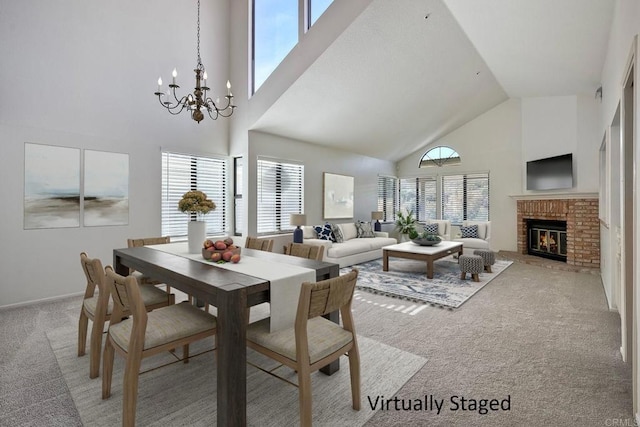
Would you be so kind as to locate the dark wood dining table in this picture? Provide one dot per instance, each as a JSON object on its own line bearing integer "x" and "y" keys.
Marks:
{"x": 231, "y": 292}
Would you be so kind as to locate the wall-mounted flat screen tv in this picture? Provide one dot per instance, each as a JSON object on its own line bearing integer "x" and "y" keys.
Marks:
{"x": 552, "y": 173}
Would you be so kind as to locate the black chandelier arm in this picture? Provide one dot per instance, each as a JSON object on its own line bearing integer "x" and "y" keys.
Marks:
{"x": 173, "y": 109}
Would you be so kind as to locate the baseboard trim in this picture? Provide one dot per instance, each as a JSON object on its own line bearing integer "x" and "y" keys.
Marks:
{"x": 39, "y": 301}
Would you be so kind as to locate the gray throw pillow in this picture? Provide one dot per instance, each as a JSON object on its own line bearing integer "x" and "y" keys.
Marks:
{"x": 364, "y": 230}
{"x": 337, "y": 233}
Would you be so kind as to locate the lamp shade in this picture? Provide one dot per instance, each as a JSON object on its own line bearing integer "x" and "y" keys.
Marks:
{"x": 377, "y": 215}
{"x": 298, "y": 219}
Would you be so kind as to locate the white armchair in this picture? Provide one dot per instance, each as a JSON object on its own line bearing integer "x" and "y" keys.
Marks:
{"x": 483, "y": 241}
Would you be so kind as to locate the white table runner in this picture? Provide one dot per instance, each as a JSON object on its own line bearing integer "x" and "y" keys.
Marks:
{"x": 285, "y": 280}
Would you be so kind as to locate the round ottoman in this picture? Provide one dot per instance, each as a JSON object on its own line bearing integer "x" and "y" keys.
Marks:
{"x": 488, "y": 257}
{"x": 472, "y": 264}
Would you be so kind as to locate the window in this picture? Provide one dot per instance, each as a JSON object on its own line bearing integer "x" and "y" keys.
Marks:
{"x": 419, "y": 195}
{"x": 280, "y": 193}
{"x": 276, "y": 27}
{"x": 440, "y": 156}
{"x": 275, "y": 33}
{"x": 182, "y": 173}
{"x": 387, "y": 197}
{"x": 465, "y": 197}
{"x": 317, "y": 8}
{"x": 237, "y": 196}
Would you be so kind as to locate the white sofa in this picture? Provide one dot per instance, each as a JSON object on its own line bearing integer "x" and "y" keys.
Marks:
{"x": 353, "y": 249}
{"x": 482, "y": 242}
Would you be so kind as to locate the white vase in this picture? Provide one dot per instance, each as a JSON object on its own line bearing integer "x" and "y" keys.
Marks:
{"x": 197, "y": 233}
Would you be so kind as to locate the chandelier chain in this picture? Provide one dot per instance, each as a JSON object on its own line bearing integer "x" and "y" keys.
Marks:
{"x": 199, "y": 60}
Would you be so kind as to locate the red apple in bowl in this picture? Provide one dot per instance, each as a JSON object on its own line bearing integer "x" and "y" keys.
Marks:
{"x": 228, "y": 241}
{"x": 216, "y": 256}
{"x": 235, "y": 258}
{"x": 220, "y": 245}
{"x": 208, "y": 244}
{"x": 227, "y": 255}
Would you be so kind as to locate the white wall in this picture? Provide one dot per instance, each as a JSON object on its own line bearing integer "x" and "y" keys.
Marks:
{"x": 317, "y": 159}
{"x": 553, "y": 126}
{"x": 625, "y": 26}
{"x": 82, "y": 74}
{"x": 491, "y": 142}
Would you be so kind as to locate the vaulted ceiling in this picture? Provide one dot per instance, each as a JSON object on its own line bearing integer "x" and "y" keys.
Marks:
{"x": 405, "y": 73}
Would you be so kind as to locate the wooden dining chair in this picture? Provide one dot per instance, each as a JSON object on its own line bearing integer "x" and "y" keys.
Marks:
{"x": 304, "y": 251}
{"x": 314, "y": 341}
{"x": 259, "y": 244}
{"x": 145, "y": 334}
{"x": 136, "y": 243}
{"x": 97, "y": 307}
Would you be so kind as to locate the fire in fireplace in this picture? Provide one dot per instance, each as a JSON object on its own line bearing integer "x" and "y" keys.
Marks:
{"x": 547, "y": 238}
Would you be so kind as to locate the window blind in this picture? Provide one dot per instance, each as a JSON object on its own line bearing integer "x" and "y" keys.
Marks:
{"x": 465, "y": 197}
{"x": 388, "y": 197}
{"x": 280, "y": 193}
{"x": 419, "y": 196}
{"x": 182, "y": 173}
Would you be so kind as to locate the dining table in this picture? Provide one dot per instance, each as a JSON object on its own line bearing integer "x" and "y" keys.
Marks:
{"x": 232, "y": 293}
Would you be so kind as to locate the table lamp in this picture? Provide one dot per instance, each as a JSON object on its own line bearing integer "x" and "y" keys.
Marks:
{"x": 377, "y": 215}
{"x": 298, "y": 220}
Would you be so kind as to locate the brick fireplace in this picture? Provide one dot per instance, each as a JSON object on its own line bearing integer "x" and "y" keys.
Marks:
{"x": 583, "y": 226}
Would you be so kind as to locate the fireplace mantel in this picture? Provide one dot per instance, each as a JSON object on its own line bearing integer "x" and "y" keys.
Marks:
{"x": 554, "y": 196}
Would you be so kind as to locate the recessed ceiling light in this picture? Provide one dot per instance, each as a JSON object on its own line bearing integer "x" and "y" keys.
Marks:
{"x": 428, "y": 15}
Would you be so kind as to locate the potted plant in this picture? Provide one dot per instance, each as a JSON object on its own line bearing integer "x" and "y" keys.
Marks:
{"x": 406, "y": 224}
{"x": 196, "y": 204}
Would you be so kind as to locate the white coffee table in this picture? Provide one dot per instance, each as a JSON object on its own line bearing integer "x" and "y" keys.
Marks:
{"x": 410, "y": 250}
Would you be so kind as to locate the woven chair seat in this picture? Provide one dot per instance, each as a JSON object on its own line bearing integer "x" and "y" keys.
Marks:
{"x": 90, "y": 304}
{"x": 165, "y": 325}
{"x": 325, "y": 337}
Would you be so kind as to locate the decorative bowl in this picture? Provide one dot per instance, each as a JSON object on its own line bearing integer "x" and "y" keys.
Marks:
{"x": 424, "y": 242}
{"x": 207, "y": 253}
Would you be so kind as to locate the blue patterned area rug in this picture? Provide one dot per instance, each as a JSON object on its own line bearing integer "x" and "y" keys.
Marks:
{"x": 407, "y": 279}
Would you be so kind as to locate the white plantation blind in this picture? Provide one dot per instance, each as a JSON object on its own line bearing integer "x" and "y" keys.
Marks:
{"x": 182, "y": 173}
{"x": 280, "y": 193}
{"x": 419, "y": 195}
{"x": 465, "y": 197}
{"x": 388, "y": 197}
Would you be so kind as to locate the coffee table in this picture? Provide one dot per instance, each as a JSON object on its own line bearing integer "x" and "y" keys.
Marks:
{"x": 410, "y": 250}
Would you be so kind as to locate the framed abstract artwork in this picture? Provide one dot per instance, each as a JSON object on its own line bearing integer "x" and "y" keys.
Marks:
{"x": 106, "y": 188}
{"x": 51, "y": 186}
{"x": 338, "y": 196}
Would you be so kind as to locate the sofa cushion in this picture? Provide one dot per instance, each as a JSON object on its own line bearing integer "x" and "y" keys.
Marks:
{"x": 308, "y": 232}
{"x": 349, "y": 230}
{"x": 325, "y": 232}
{"x": 483, "y": 228}
{"x": 350, "y": 247}
{"x": 431, "y": 228}
{"x": 364, "y": 230}
{"x": 337, "y": 233}
{"x": 470, "y": 231}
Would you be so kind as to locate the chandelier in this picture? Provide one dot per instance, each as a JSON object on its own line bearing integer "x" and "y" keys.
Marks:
{"x": 197, "y": 102}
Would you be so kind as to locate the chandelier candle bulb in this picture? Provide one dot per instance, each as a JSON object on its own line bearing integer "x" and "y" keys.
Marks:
{"x": 174, "y": 74}
{"x": 159, "y": 83}
{"x": 228, "y": 88}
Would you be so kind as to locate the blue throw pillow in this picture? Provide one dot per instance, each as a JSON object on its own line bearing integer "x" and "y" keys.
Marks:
{"x": 325, "y": 232}
{"x": 470, "y": 232}
{"x": 431, "y": 228}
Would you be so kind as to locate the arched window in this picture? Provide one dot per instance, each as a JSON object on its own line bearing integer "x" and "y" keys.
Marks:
{"x": 440, "y": 156}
